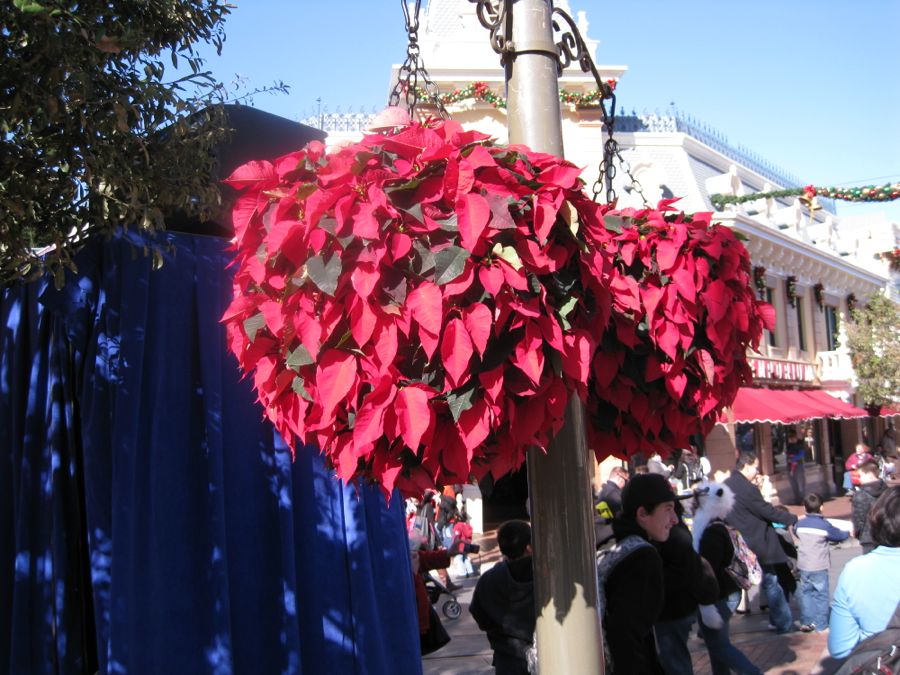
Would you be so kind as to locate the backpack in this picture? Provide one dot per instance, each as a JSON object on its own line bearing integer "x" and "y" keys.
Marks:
{"x": 744, "y": 567}
{"x": 607, "y": 559}
{"x": 878, "y": 654}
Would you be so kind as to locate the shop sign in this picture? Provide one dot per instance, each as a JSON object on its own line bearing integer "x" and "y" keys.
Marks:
{"x": 783, "y": 371}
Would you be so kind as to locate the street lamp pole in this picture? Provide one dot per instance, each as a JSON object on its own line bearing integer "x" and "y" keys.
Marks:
{"x": 568, "y": 624}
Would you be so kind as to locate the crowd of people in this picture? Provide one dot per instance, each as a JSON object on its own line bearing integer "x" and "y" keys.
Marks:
{"x": 678, "y": 552}
{"x": 658, "y": 578}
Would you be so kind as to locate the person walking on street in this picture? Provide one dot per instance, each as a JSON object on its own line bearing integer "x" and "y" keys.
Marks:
{"x": 688, "y": 581}
{"x": 868, "y": 589}
{"x": 713, "y": 541}
{"x": 814, "y": 534}
{"x": 796, "y": 454}
{"x": 631, "y": 593}
{"x": 503, "y": 600}
{"x": 870, "y": 489}
{"x": 752, "y": 516}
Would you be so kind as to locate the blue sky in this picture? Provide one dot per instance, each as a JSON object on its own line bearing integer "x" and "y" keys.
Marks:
{"x": 809, "y": 85}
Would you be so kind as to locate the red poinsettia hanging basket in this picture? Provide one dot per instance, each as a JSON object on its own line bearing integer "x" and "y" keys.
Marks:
{"x": 422, "y": 304}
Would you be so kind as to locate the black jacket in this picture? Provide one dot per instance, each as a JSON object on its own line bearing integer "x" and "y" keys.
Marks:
{"x": 752, "y": 517}
{"x": 716, "y": 547}
{"x": 686, "y": 581}
{"x": 503, "y": 606}
{"x": 634, "y": 600}
{"x": 862, "y": 501}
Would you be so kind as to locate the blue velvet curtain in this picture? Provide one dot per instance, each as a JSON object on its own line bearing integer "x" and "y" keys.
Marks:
{"x": 150, "y": 520}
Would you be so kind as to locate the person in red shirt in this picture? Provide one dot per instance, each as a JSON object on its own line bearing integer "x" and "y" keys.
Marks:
{"x": 462, "y": 544}
{"x": 857, "y": 459}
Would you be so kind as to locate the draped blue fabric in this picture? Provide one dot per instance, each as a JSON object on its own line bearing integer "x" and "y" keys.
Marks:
{"x": 150, "y": 519}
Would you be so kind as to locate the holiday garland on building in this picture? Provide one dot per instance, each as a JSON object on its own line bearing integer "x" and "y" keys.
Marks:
{"x": 480, "y": 91}
{"x": 868, "y": 193}
{"x": 892, "y": 258}
{"x": 790, "y": 288}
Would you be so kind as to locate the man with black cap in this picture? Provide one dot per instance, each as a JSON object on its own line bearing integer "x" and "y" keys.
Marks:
{"x": 631, "y": 594}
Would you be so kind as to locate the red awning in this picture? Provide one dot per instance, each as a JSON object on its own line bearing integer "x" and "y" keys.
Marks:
{"x": 889, "y": 410}
{"x": 834, "y": 406}
{"x": 759, "y": 404}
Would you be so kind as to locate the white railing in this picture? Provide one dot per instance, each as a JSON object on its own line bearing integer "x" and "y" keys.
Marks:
{"x": 835, "y": 366}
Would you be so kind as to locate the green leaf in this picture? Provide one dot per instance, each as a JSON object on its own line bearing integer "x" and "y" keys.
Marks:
{"x": 425, "y": 257}
{"x": 28, "y": 6}
{"x": 460, "y": 400}
{"x": 324, "y": 274}
{"x": 614, "y": 223}
{"x": 253, "y": 325}
{"x": 449, "y": 224}
{"x": 510, "y": 255}
{"x": 299, "y": 388}
{"x": 415, "y": 211}
{"x": 299, "y": 357}
{"x": 566, "y": 308}
{"x": 449, "y": 263}
{"x": 740, "y": 236}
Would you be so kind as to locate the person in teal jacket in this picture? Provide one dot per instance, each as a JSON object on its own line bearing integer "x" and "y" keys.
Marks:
{"x": 868, "y": 589}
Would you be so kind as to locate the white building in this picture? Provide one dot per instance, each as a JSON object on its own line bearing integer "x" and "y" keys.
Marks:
{"x": 828, "y": 260}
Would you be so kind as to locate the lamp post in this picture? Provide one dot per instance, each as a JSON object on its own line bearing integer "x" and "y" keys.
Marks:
{"x": 568, "y": 624}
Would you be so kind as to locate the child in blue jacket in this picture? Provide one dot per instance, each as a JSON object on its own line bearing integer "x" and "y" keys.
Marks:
{"x": 814, "y": 534}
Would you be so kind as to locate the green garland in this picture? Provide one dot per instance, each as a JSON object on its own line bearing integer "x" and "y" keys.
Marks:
{"x": 480, "y": 91}
{"x": 869, "y": 193}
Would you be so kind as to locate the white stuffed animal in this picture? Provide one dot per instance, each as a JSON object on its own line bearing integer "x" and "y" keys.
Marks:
{"x": 714, "y": 501}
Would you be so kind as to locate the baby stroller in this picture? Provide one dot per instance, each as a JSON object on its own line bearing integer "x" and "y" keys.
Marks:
{"x": 435, "y": 589}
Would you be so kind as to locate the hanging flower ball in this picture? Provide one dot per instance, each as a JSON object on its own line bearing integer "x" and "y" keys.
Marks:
{"x": 422, "y": 304}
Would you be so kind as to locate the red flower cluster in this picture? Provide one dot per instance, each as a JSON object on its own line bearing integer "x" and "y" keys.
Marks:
{"x": 422, "y": 304}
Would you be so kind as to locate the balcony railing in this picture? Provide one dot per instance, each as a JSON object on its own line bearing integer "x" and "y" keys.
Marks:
{"x": 835, "y": 366}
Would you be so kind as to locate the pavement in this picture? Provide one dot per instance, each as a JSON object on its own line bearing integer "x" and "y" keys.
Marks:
{"x": 468, "y": 652}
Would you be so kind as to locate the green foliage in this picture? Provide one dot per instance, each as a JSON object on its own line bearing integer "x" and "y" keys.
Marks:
{"x": 107, "y": 119}
{"x": 873, "y": 338}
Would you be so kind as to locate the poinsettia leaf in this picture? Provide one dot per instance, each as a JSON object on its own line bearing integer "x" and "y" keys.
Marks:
{"x": 324, "y": 274}
{"x": 414, "y": 414}
{"x": 426, "y": 304}
{"x": 299, "y": 357}
{"x": 479, "y": 322}
{"x": 335, "y": 376}
{"x": 449, "y": 224}
{"x": 449, "y": 263}
{"x": 500, "y": 216}
{"x": 253, "y": 325}
{"x": 510, "y": 255}
{"x": 460, "y": 400}
{"x": 413, "y": 210}
{"x": 456, "y": 351}
{"x": 252, "y": 174}
{"x": 424, "y": 258}
{"x": 473, "y": 213}
{"x": 328, "y": 224}
{"x": 614, "y": 223}
{"x": 299, "y": 388}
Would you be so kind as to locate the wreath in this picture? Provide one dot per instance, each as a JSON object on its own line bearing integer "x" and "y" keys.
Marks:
{"x": 422, "y": 304}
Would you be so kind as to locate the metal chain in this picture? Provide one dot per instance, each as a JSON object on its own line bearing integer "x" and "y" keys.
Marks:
{"x": 607, "y": 170}
{"x": 407, "y": 85}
